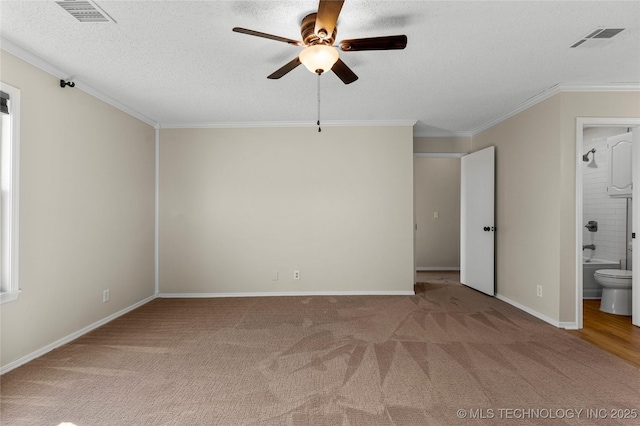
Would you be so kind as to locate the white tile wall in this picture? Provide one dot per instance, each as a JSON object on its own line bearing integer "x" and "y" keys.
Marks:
{"x": 610, "y": 213}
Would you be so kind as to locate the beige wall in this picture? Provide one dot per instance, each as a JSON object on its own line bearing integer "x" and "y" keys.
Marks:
{"x": 237, "y": 205}
{"x": 442, "y": 144}
{"x": 86, "y": 212}
{"x": 527, "y": 204}
{"x": 535, "y": 196}
{"x": 574, "y": 105}
{"x": 437, "y": 189}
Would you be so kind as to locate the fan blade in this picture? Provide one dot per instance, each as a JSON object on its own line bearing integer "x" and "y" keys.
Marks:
{"x": 269, "y": 36}
{"x": 374, "y": 43}
{"x": 285, "y": 69}
{"x": 328, "y": 11}
{"x": 344, "y": 72}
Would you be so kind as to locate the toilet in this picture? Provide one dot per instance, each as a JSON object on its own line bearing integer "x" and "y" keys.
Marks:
{"x": 616, "y": 290}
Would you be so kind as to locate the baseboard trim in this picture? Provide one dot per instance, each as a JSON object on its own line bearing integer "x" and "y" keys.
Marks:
{"x": 569, "y": 325}
{"x": 286, "y": 293}
{"x": 17, "y": 363}
{"x": 535, "y": 313}
{"x": 437, "y": 268}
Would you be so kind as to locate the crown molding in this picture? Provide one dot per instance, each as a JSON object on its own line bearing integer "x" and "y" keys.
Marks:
{"x": 554, "y": 90}
{"x": 613, "y": 87}
{"x": 19, "y": 52}
{"x": 281, "y": 124}
{"x": 51, "y": 69}
{"x": 440, "y": 155}
{"x": 442, "y": 134}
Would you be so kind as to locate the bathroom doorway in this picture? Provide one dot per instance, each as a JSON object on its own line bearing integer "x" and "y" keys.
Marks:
{"x": 589, "y": 133}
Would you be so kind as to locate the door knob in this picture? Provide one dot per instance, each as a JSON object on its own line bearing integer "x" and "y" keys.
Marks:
{"x": 486, "y": 229}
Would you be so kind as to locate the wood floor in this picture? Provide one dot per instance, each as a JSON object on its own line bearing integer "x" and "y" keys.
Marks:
{"x": 612, "y": 333}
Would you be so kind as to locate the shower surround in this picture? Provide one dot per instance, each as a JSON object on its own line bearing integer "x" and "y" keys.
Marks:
{"x": 611, "y": 213}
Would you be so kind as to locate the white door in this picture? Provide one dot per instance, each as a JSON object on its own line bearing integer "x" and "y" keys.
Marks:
{"x": 619, "y": 179}
{"x": 635, "y": 229}
{"x": 477, "y": 221}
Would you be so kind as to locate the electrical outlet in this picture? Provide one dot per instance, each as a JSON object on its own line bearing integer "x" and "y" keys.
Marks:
{"x": 539, "y": 291}
{"x": 105, "y": 295}
{"x": 296, "y": 275}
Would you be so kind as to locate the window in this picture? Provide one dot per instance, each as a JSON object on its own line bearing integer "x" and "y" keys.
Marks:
{"x": 9, "y": 176}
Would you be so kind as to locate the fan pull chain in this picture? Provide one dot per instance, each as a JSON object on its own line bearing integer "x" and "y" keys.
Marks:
{"x": 319, "y": 128}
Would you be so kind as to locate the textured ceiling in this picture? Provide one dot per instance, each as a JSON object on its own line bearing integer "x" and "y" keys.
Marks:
{"x": 466, "y": 64}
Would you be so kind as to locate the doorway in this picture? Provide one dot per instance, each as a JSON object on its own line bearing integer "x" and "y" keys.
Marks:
{"x": 582, "y": 124}
{"x": 437, "y": 211}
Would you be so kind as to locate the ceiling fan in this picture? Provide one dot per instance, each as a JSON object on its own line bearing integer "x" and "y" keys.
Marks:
{"x": 318, "y": 34}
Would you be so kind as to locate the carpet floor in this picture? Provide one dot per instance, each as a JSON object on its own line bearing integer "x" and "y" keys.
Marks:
{"x": 448, "y": 355}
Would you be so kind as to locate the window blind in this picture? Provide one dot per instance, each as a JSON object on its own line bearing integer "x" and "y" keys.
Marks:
{"x": 4, "y": 105}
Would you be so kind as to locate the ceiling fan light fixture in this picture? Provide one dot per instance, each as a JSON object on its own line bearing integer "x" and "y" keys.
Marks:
{"x": 319, "y": 58}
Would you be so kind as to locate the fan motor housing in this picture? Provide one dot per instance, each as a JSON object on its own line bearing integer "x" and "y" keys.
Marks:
{"x": 308, "y": 32}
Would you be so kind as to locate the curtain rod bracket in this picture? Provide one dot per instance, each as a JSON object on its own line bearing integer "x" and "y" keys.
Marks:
{"x": 67, "y": 83}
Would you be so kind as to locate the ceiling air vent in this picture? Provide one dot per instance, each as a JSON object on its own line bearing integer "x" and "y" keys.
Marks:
{"x": 85, "y": 11}
{"x": 597, "y": 37}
